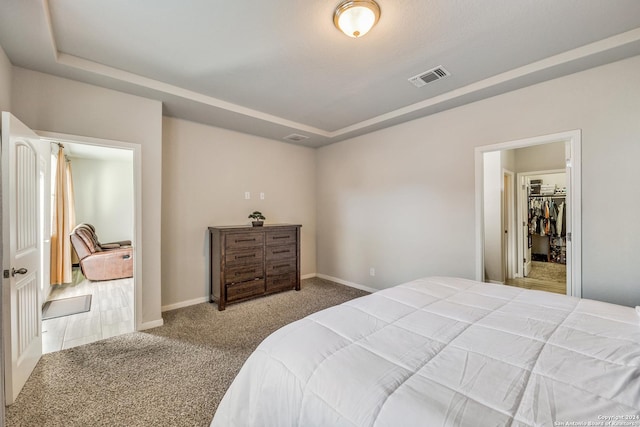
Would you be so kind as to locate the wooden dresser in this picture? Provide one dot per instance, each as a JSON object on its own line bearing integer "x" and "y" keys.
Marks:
{"x": 248, "y": 262}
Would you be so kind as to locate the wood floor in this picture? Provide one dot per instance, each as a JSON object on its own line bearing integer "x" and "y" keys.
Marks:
{"x": 537, "y": 284}
{"x": 544, "y": 276}
{"x": 111, "y": 313}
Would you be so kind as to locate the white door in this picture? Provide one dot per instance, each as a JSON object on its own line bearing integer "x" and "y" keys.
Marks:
{"x": 21, "y": 255}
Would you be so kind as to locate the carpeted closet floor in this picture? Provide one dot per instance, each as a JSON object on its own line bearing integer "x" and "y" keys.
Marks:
{"x": 174, "y": 375}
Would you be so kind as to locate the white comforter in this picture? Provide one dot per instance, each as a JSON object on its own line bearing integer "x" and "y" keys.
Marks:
{"x": 445, "y": 352}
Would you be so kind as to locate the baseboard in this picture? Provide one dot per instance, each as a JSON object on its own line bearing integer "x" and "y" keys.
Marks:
{"x": 150, "y": 325}
{"x": 184, "y": 304}
{"x": 347, "y": 283}
{"x": 306, "y": 276}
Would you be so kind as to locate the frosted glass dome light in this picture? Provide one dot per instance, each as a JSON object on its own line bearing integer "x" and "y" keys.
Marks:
{"x": 356, "y": 18}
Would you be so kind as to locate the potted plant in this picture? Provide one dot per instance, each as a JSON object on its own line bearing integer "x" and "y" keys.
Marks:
{"x": 258, "y": 219}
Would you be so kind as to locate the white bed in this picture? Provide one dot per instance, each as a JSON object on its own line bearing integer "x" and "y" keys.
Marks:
{"x": 445, "y": 352}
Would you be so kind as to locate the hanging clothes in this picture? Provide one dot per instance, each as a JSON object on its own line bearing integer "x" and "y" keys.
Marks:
{"x": 562, "y": 216}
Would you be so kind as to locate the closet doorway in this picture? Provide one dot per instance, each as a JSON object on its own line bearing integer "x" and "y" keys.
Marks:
{"x": 527, "y": 158}
{"x": 106, "y": 180}
{"x": 542, "y": 239}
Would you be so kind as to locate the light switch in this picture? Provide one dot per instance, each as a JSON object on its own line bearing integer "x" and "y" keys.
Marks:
{"x": 261, "y": 196}
{"x": 247, "y": 195}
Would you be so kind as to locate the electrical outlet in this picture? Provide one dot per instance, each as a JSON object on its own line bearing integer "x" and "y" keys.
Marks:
{"x": 372, "y": 271}
{"x": 247, "y": 195}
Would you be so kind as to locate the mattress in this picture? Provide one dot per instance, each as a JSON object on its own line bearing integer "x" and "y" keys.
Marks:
{"x": 444, "y": 351}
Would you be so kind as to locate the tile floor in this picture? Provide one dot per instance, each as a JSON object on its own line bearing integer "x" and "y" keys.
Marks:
{"x": 111, "y": 313}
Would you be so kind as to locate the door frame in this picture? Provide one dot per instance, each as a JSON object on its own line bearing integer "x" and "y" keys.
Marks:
{"x": 573, "y": 161}
{"x": 137, "y": 203}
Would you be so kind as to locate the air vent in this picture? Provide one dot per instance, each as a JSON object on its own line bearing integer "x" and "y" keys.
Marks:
{"x": 429, "y": 76}
{"x": 294, "y": 137}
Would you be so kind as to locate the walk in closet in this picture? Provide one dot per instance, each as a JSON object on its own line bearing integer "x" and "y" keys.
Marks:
{"x": 547, "y": 216}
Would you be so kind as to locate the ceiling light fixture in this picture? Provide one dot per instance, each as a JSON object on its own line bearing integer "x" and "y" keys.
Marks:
{"x": 356, "y": 17}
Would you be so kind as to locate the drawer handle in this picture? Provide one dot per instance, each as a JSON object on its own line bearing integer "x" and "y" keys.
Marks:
{"x": 281, "y": 252}
{"x": 245, "y": 256}
{"x": 280, "y": 237}
{"x": 281, "y": 266}
{"x": 245, "y": 240}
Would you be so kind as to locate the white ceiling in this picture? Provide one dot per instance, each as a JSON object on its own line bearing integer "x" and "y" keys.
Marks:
{"x": 272, "y": 68}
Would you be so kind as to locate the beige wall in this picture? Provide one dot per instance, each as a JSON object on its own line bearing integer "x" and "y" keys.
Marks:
{"x": 206, "y": 172}
{"x": 402, "y": 199}
{"x": 104, "y": 197}
{"x": 48, "y": 103}
{"x": 5, "y": 81}
{"x": 540, "y": 157}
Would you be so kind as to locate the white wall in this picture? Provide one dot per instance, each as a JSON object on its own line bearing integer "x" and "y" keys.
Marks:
{"x": 206, "y": 171}
{"x": 493, "y": 236}
{"x": 48, "y": 103}
{"x": 104, "y": 197}
{"x": 402, "y": 199}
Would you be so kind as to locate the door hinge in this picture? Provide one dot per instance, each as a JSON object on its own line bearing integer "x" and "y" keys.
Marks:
{"x": 6, "y": 274}
{"x": 569, "y": 237}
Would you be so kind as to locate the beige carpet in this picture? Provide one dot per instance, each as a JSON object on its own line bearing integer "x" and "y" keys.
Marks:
{"x": 174, "y": 375}
{"x": 548, "y": 271}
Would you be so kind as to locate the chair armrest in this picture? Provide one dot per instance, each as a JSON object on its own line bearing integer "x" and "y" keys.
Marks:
{"x": 109, "y": 245}
{"x": 116, "y": 245}
{"x": 119, "y": 242}
{"x": 108, "y": 265}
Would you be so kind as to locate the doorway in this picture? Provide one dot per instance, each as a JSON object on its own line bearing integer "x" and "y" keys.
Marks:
{"x": 493, "y": 241}
{"x": 103, "y": 196}
{"x": 542, "y": 239}
{"x": 25, "y": 230}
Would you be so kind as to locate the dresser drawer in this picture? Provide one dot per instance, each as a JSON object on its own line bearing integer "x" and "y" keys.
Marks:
{"x": 281, "y": 267}
{"x": 281, "y": 252}
{"x": 242, "y": 273}
{"x": 244, "y": 240}
{"x": 281, "y": 282}
{"x": 281, "y": 237}
{"x": 245, "y": 290}
{"x": 243, "y": 257}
